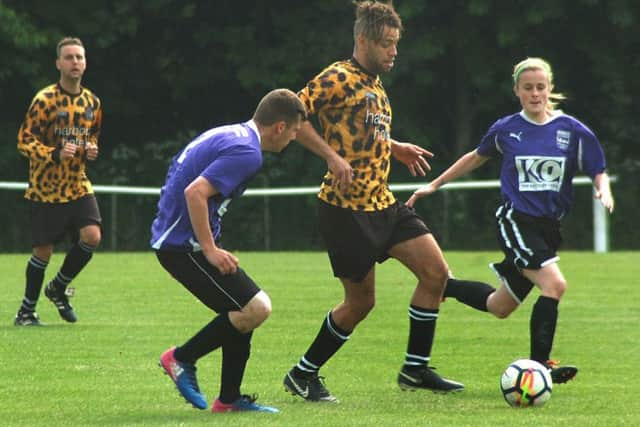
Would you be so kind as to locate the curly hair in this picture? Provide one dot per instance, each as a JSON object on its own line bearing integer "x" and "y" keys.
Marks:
{"x": 372, "y": 17}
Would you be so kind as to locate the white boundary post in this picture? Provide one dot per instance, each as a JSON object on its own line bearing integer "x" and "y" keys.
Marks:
{"x": 600, "y": 227}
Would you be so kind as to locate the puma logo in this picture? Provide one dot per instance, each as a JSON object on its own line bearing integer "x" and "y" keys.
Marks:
{"x": 515, "y": 135}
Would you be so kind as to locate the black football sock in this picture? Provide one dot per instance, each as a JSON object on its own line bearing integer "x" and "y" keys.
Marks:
{"x": 328, "y": 341}
{"x": 235, "y": 355}
{"x": 474, "y": 294}
{"x": 544, "y": 317}
{"x": 422, "y": 328}
{"x": 215, "y": 334}
{"x": 75, "y": 260}
{"x": 34, "y": 278}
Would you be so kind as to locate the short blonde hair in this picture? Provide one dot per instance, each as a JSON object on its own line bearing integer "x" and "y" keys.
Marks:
{"x": 538, "y": 64}
{"x": 73, "y": 41}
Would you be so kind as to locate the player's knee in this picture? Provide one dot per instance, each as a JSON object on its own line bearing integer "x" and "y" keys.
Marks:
{"x": 557, "y": 289}
{"x": 91, "y": 235}
{"x": 261, "y": 309}
{"x": 499, "y": 306}
{"x": 264, "y": 311}
{"x": 501, "y": 312}
{"x": 93, "y": 240}
{"x": 435, "y": 277}
{"x": 253, "y": 314}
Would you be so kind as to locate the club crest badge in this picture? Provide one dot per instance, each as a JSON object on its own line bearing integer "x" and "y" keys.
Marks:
{"x": 562, "y": 139}
{"x": 88, "y": 113}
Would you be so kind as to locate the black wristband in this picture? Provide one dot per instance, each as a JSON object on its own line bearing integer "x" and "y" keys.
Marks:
{"x": 55, "y": 155}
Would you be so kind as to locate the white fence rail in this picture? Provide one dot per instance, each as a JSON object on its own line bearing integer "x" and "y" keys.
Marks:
{"x": 600, "y": 219}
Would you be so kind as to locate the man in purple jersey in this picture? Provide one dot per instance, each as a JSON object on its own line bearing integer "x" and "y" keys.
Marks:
{"x": 542, "y": 149}
{"x": 202, "y": 180}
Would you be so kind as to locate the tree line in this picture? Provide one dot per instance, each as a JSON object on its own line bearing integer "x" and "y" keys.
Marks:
{"x": 167, "y": 70}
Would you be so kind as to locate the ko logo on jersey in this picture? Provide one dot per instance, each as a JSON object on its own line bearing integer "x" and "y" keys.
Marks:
{"x": 537, "y": 173}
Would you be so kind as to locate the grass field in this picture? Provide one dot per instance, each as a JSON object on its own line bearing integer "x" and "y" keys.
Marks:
{"x": 103, "y": 370}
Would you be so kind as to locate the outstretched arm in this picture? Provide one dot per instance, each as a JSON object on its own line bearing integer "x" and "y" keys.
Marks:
{"x": 462, "y": 166}
{"x": 311, "y": 140}
{"x": 602, "y": 185}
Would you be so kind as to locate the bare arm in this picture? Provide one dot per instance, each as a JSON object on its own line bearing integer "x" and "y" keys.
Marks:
{"x": 311, "y": 140}
{"x": 197, "y": 195}
{"x": 603, "y": 191}
{"x": 462, "y": 166}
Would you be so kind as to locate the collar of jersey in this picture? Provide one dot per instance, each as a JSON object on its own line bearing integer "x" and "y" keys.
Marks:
{"x": 73, "y": 95}
{"x": 364, "y": 70}
{"x": 252, "y": 125}
{"x": 556, "y": 114}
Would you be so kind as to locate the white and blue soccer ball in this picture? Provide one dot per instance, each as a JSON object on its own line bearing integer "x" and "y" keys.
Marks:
{"x": 526, "y": 383}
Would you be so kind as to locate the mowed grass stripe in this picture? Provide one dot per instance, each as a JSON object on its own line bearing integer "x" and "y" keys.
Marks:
{"x": 103, "y": 370}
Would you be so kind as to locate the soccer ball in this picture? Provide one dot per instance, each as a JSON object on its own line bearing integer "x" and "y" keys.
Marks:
{"x": 526, "y": 383}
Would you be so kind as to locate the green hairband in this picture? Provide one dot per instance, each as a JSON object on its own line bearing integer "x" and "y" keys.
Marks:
{"x": 528, "y": 65}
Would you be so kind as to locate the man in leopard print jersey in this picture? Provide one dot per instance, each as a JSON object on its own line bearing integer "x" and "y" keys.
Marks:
{"x": 59, "y": 136}
{"x": 360, "y": 220}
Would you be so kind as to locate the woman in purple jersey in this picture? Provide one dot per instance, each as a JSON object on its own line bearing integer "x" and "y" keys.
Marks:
{"x": 542, "y": 149}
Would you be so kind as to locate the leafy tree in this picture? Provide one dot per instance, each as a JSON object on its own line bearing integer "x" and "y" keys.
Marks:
{"x": 168, "y": 69}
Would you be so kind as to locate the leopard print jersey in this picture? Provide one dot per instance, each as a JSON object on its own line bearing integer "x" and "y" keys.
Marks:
{"x": 56, "y": 117}
{"x": 355, "y": 116}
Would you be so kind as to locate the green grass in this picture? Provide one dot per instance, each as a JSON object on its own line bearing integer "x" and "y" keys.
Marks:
{"x": 102, "y": 370}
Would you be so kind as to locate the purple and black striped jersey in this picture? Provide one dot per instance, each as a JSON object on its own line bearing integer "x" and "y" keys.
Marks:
{"x": 539, "y": 161}
{"x": 226, "y": 156}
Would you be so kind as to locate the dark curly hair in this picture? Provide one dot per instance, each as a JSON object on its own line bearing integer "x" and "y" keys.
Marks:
{"x": 372, "y": 17}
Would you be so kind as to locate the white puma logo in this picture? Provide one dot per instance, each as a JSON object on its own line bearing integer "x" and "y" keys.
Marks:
{"x": 515, "y": 135}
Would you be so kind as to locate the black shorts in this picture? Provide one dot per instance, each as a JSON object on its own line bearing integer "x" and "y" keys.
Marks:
{"x": 517, "y": 285}
{"x": 527, "y": 241}
{"x": 221, "y": 293}
{"x": 356, "y": 240}
{"x": 51, "y": 222}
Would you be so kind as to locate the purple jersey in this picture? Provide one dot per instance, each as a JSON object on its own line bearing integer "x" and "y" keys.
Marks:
{"x": 539, "y": 161}
{"x": 226, "y": 156}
